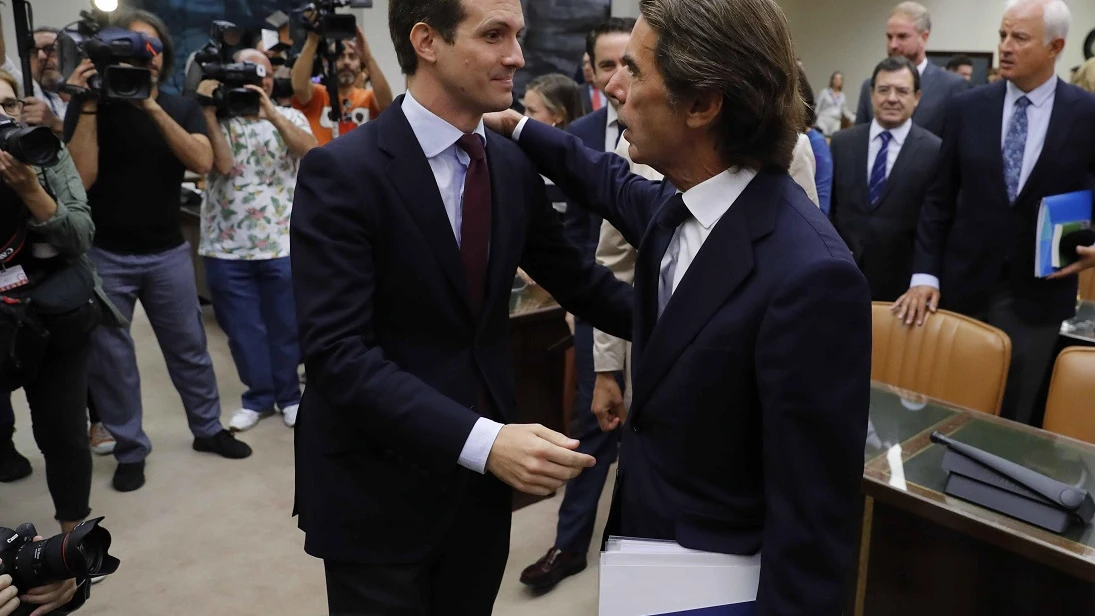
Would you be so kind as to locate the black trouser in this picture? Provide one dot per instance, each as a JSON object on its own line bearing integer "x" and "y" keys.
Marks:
{"x": 461, "y": 577}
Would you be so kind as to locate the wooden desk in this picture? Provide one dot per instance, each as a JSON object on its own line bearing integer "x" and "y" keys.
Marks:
{"x": 923, "y": 552}
{"x": 539, "y": 338}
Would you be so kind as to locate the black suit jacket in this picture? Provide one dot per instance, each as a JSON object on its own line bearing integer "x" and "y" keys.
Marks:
{"x": 882, "y": 238}
{"x": 969, "y": 236}
{"x": 395, "y": 355}
{"x": 937, "y": 87}
{"x": 749, "y": 418}
{"x": 583, "y": 227}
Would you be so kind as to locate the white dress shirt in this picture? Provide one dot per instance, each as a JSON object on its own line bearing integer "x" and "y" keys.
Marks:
{"x": 707, "y": 201}
{"x": 923, "y": 65}
{"x": 899, "y": 134}
{"x": 450, "y": 165}
{"x": 1038, "y": 115}
{"x": 612, "y": 129}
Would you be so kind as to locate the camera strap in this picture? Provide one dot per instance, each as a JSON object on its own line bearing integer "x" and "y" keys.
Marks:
{"x": 14, "y": 245}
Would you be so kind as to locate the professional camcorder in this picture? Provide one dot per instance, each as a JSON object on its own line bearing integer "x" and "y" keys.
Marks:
{"x": 320, "y": 17}
{"x": 121, "y": 57}
{"x": 81, "y": 553}
{"x": 214, "y": 61}
{"x": 32, "y": 145}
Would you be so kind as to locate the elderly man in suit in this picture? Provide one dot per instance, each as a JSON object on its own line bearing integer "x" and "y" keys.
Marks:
{"x": 748, "y": 421}
{"x": 406, "y": 237}
{"x": 882, "y": 171}
{"x": 907, "y": 33}
{"x": 1008, "y": 145}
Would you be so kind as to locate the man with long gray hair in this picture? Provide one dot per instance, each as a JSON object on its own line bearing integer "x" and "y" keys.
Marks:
{"x": 907, "y": 32}
{"x": 748, "y": 421}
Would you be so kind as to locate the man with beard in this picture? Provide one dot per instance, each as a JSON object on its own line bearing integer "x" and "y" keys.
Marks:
{"x": 358, "y": 105}
{"x": 47, "y": 107}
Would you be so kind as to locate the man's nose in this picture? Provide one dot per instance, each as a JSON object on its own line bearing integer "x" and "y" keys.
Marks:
{"x": 515, "y": 58}
{"x": 617, "y": 86}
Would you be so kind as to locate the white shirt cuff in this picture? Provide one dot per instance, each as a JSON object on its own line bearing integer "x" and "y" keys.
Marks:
{"x": 925, "y": 280}
{"x": 477, "y": 447}
{"x": 520, "y": 127}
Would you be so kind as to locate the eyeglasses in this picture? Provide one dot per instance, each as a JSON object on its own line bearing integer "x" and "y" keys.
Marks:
{"x": 12, "y": 106}
{"x": 886, "y": 90}
{"x": 49, "y": 50}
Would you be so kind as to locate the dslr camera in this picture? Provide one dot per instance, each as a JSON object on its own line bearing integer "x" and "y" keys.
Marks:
{"x": 214, "y": 61}
{"x": 329, "y": 24}
{"x": 121, "y": 57}
{"x": 31, "y": 145}
{"x": 81, "y": 553}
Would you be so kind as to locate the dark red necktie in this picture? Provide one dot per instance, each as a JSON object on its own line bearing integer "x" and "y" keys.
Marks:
{"x": 475, "y": 223}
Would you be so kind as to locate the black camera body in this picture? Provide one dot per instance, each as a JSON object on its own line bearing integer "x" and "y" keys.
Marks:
{"x": 120, "y": 57}
{"x": 81, "y": 553}
{"x": 213, "y": 61}
{"x": 327, "y": 22}
{"x": 32, "y": 145}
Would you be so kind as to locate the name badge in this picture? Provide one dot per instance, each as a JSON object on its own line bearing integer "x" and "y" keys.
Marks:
{"x": 12, "y": 278}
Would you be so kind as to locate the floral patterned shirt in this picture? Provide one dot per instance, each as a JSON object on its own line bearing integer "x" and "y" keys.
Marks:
{"x": 245, "y": 214}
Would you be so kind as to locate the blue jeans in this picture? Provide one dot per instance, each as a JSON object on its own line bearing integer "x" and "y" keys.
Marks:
{"x": 253, "y": 302}
{"x": 164, "y": 283}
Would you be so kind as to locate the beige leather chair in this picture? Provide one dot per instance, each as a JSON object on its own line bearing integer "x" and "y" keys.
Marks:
{"x": 1087, "y": 285}
{"x": 1070, "y": 408}
{"x": 951, "y": 357}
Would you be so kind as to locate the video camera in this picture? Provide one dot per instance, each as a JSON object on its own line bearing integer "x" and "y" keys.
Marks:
{"x": 121, "y": 57}
{"x": 81, "y": 553}
{"x": 329, "y": 24}
{"x": 214, "y": 62}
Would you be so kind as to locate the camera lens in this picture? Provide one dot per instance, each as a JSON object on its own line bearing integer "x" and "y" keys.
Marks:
{"x": 78, "y": 554}
{"x": 36, "y": 145}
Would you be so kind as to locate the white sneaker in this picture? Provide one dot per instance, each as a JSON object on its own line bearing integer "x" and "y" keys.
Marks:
{"x": 245, "y": 419}
{"x": 289, "y": 414}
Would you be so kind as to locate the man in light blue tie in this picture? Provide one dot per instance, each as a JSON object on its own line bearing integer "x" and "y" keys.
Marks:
{"x": 1006, "y": 147}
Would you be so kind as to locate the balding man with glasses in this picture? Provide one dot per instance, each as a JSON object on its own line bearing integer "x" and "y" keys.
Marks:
{"x": 48, "y": 105}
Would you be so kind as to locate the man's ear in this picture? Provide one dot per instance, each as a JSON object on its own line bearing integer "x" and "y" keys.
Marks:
{"x": 703, "y": 109}
{"x": 423, "y": 38}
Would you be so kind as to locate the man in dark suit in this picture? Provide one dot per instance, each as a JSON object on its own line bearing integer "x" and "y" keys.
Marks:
{"x": 752, "y": 344}
{"x": 599, "y": 131}
{"x": 407, "y": 234}
{"x": 593, "y": 99}
{"x": 1007, "y": 146}
{"x": 907, "y": 33}
{"x": 881, "y": 172}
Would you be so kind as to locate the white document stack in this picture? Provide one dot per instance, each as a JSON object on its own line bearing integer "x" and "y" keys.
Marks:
{"x": 644, "y": 577}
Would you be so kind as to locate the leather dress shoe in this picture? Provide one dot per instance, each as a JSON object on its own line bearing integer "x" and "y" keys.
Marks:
{"x": 553, "y": 568}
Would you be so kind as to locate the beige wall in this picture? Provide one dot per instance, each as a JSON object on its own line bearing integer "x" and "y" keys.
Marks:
{"x": 849, "y": 35}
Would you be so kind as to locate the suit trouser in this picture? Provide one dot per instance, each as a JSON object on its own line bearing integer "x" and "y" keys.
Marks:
{"x": 461, "y": 577}
{"x": 1031, "y": 353}
{"x": 164, "y": 283}
{"x": 578, "y": 511}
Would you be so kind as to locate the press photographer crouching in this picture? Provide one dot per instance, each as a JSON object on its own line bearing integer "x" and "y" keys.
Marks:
{"x": 50, "y": 301}
{"x": 132, "y": 144}
{"x": 245, "y": 234}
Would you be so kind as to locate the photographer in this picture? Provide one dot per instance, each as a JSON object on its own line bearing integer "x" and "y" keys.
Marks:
{"x": 45, "y": 213}
{"x": 358, "y": 105}
{"x": 132, "y": 156}
{"x": 245, "y": 244}
{"x": 48, "y": 105}
{"x": 57, "y": 598}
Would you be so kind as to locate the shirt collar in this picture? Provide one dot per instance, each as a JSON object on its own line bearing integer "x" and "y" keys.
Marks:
{"x": 923, "y": 65}
{"x": 899, "y": 134}
{"x": 709, "y": 200}
{"x": 1037, "y": 97}
{"x": 434, "y": 134}
{"x": 613, "y": 115}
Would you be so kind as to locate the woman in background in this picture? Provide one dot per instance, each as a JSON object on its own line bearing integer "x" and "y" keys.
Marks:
{"x": 832, "y": 106}
{"x": 1085, "y": 76}
{"x": 823, "y": 156}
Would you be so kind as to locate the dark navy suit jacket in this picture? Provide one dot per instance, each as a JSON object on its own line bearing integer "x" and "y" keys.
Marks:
{"x": 583, "y": 227}
{"x": 749, "y": 417}
{"x": 969, "y": 236}
{"x": 395, "y": 355}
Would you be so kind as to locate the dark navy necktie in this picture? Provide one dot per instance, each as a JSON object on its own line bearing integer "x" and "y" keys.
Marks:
{"x": 878, "y": 171}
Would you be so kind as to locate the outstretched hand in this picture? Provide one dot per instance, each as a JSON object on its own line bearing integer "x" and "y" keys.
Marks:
{"x": 503, "y": 122}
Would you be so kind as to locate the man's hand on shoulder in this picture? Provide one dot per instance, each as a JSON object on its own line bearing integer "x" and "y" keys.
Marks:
{"x": 503, "y": 122}
{"x": 534, "y": 459}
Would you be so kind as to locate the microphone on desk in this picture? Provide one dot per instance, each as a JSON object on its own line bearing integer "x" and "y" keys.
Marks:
{"x": 1010, "y": 488}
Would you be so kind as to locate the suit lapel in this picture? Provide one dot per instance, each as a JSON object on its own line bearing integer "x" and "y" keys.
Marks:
{"x": 860, "y": 164}
{"x": 412, "y": 177}
{"x": 722, "y": 264}
{"x": 993, "y": 127}
{"x": 504, "y": 199}
{"x": 1056, "y": 137}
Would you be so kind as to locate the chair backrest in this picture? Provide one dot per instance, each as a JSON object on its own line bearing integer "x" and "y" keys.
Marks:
{"x": 951, "y": 357}
{"x": 1087, "y": 285}
{"x": 1070, "y": 408}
